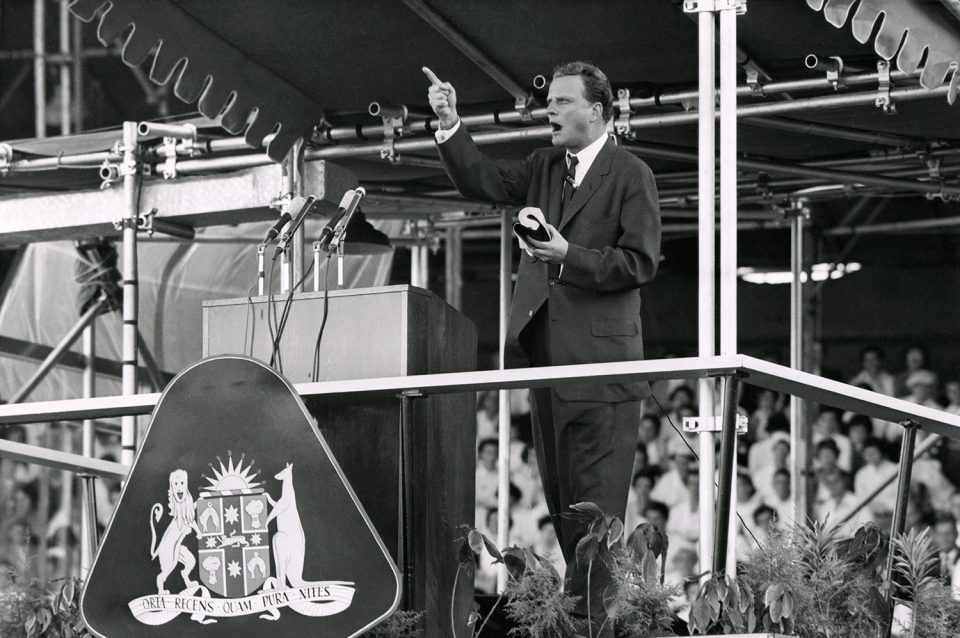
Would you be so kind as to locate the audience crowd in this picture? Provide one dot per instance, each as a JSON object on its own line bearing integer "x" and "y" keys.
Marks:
{"x": 853, "y": 457}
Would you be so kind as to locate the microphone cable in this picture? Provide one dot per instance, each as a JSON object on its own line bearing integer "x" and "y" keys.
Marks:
{"x": 323, "y": 322}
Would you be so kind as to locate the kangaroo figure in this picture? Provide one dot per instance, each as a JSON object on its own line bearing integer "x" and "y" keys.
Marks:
{"x": 289, "y": 542}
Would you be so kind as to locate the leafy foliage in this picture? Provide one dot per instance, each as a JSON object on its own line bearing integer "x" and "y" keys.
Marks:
{"x": 637, "y": 600}
{"x": 27, "y": 611}
{"x": 536, "y": 601}
{"x": 813, "y": 584}
{"x": 400, "y": 624}
{"x": 725, "y": 604}
{"x": 933, "y": 612}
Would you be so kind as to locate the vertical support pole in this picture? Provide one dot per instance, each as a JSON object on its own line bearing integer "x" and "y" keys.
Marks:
{"x": 39, "y": 68}
{"x": 66, "y": 501}
{"x": 89, "y": 531}
{"x": 425, "y": 264}
{"x": 503, "y": 462}
{"x": 728, "y": 439}
{"x": 88, "y": 513}
{"x": 131, "y": 185}
{"x": 415, "y": 262}
{"x": 66, "y": 125}
{"x": 454, "y": 266}
{"x": 293, "y": 185}
{"x": 706, "y": 305}
{"x": 798, "y": 449}
{"x": 406, "y": 493}
{"x": 77, "y": 72}
{"x": 733, "y": 521}
{"x": 907, "y": 445}
{"x": 728, "y": 245}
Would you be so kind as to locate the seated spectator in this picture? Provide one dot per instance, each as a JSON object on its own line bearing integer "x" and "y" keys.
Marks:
{"x": 825, "y": 457}
{"x": 875, "y": 471}
{"x": 747, "y": 498}
{"x": 649, "y": 436}
{"x": 657, "y": 514}
{"x": 872, "y": 361}
{"x": 859, "y": 429}
{"x": 945, "y": 540}
{"x": 682, "y": 442}
{"x": 780, "y": 457}
{"x": 547, "y": 546}
{"x": 922, "y": 387}
{"x": 641, "y": 458}
{"x": 779, "y": 498}
{"x": 681, "y": 402}
{"x": 671, "y": 487}
{"x": 523, "y": 523}
{"x": 762, "y": 522}
{"x": 916, "y": 358}
{"x": 767, "y": 406}
{"x": 840, "y": 503}
{"x": 761, "y": 452}
{"x": 927, "y": 470}
{"x": 683, "y": 524}
{"x": 639, "y": 498}
{"x": 488, "y": 409}
{"x": 527, "y": 478}
{"x": 952, "y": 390}
{"x": 486, "y": 478}
{"x": 827, "y": 426}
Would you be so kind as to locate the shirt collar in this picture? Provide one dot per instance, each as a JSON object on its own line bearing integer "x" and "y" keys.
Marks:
{"x": 586, "y": 155}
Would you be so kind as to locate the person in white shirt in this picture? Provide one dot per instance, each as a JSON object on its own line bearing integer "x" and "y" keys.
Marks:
{"x": 486, "y": 477}
{"x": 683, "y": 525}
{"x": 639, "y": 499}
{"x": 840, "y": 503}
{"x": 761, "y": 452}
{"x": 671, "y": 486}
{"x": 922, "y": 385}
{"x": 827, "y": 426}
{"x": 872, "y": 374}
{"x": 928, "y": 471}
{"x": 945, "y": 541}
{"x": 869, "y": 477}
{"x": 547, "y": 547}
{"x": 825, "y": 457}
{"x": 779, "y": 498}
{"x": 780, "y": 456}
{"x": 488, "y": 409}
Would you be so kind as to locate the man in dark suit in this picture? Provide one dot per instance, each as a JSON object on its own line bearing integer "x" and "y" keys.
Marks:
{"x": 576, "y": 299}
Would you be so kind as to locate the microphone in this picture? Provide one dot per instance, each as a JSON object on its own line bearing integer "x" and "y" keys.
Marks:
{"x": 338, "y": 223}
{"x": 297, "y": 223}
{"x": 275, "y": 229}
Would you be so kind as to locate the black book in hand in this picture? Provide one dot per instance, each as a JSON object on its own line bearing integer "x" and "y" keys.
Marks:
{"x": 531, "y": 224}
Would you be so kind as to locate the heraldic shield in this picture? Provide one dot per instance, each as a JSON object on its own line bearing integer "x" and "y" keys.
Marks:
{"x": 237, "y": 521}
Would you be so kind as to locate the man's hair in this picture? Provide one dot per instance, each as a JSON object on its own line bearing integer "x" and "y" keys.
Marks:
{"x": 874, "y": 442}
{"x": 596, "y": 86}
{"x": 875, "y": 349}
{"x": 485, "y": 442}
{"x": 783, "y": 472}
{"x": 658, "y": 506}
{"x": 828, "y": 444}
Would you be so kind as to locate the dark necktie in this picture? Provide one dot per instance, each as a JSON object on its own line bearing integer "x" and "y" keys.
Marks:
{"x": 569, "y": 180}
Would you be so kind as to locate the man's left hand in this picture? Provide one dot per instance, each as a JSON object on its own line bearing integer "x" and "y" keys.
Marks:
{"x": 552, "y": 251}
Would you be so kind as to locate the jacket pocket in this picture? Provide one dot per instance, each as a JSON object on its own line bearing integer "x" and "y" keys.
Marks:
{"x": 614, "y": 328}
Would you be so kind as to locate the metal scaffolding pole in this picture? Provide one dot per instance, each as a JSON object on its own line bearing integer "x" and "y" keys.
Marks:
{"x": 798, "y": 448}
{"x": 88, "y": 514}
{"x": 293, "y": 187}
{"x": 728, "y": 262}
{"x": 454, "y": 266}
{"x": 131, "y": 184}
{"x": 66, "y": 125}
{"x": 706, "y": 304}
{"x": 58, "y": 350}
{"x": 503, "y": 461}
{"x": 77, "y": 72}
{"x": 39, "y": 69}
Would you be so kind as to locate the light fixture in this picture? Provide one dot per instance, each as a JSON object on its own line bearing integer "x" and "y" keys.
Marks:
{"x": 819, "y": 272}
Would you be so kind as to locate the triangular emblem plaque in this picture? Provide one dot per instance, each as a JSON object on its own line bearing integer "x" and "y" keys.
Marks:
{"x": 237, "y": 521}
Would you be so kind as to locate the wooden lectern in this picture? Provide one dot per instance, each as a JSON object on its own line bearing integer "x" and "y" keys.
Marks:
{"x": 416, "y": 503}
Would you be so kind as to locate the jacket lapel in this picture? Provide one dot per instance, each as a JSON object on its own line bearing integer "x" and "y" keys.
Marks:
{"x": 590, "y": 183}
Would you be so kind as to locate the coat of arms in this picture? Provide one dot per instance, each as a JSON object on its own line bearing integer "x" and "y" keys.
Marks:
{"x": 236, "y": 550}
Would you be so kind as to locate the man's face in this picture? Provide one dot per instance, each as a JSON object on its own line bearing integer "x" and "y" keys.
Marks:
{"x": 827, "y": 458}
{"x": 921, "y": 392}
{"x": 872, "y": 455}
{"x": 837, "y": 485}
{"x": 655, "y": 517}
{"x": 570, "y": 113}
{"x": 781, "y": 451}
{"x": 915, "y": 359}
{"x": 488, "y": 455}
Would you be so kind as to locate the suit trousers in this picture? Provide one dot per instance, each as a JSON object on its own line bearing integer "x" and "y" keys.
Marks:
{"x": 585, "y": 452}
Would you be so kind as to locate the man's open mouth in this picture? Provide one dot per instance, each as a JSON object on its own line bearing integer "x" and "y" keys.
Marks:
{"x": 556, "y": 127}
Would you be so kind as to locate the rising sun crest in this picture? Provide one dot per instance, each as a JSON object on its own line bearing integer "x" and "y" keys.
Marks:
{"x": 232, "y": 476}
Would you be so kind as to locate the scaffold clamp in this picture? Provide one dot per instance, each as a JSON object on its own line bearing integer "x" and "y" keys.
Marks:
{"x": 884, "y": 100}
{"x": 714, "y": 6}
{"x": 753, "y": 81}
{"x": 695, "y": 424}
{"x": 622, "y": 126}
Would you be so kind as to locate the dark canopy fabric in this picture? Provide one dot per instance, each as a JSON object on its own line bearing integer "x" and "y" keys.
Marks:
{"x": 293, "y": 63}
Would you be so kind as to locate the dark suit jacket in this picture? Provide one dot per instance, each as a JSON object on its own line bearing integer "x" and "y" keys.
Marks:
{"x": 612, "y": 224}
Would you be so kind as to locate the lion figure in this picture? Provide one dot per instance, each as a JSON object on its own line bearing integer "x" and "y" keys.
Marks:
{"x": 171, "y": 550}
